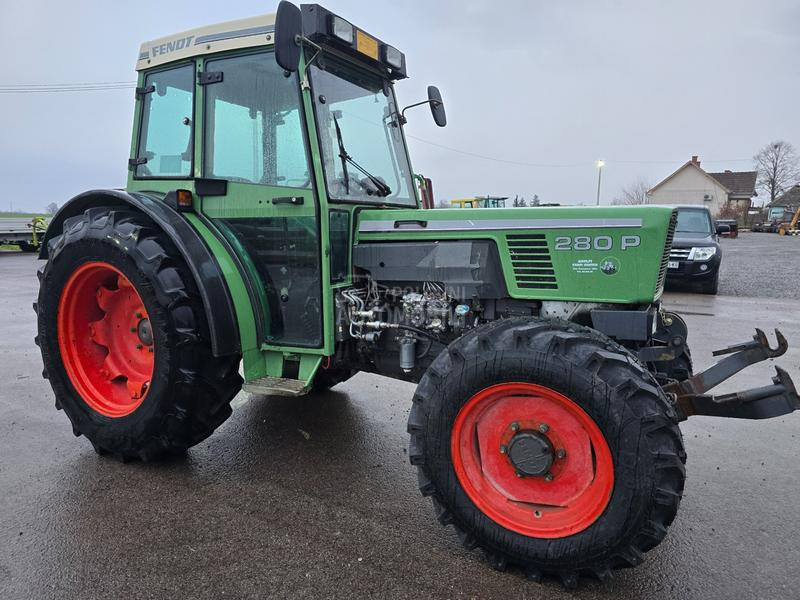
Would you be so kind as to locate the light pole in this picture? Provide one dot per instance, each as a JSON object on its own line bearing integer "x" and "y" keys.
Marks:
{"x": 600, "y": 165}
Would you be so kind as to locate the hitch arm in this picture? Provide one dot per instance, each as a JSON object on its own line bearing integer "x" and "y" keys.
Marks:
{"x": 764, "y": 402}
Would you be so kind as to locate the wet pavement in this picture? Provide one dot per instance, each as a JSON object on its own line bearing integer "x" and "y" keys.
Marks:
{"x": 315, "y": 497}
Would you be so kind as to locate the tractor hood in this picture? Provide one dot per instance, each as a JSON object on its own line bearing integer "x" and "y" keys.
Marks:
{"x": 589, "y": 254}
{"x": 481, "y": 219}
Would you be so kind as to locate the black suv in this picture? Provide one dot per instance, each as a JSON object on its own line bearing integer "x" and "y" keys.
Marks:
{"x": 696, "y": 254}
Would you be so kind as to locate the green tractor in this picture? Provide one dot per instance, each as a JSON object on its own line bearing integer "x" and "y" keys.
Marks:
{"x": 270, "y": 239}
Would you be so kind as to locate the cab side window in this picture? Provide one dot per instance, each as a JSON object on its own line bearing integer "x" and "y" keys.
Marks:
{"x": 253, "y": 127}
{"x": 165, "y": 146}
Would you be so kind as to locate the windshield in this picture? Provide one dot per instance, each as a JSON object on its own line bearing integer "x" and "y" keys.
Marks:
{"x": 362, "y": 146}
{"x": 693, "y": 221}
{"x": 776, "y": 213}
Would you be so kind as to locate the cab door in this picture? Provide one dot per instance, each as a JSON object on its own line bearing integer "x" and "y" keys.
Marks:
{"x": 254, "y": 138}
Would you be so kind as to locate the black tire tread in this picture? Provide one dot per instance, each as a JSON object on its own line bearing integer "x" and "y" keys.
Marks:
{"x": 613, "y": 365}
{"x": 204, "y": 384}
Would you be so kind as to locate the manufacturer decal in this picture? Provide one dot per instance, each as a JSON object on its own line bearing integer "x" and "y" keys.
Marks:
{"x": 585, "y": 265}
{"x": 172, "y": 46}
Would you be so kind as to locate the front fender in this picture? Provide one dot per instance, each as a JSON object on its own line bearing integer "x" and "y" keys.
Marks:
{"x": 205, "y": 270}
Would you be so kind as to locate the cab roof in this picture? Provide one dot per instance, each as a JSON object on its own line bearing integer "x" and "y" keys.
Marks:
{"x": 231, "y": 35}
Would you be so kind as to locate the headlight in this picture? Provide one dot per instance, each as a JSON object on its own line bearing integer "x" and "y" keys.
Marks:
{"x": 393, "y": 57}
{"x": 702, "y": 253}
{"x": 342, "y": 29}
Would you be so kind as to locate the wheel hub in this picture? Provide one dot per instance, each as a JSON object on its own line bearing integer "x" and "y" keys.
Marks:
{"x": 532, "y": 460}
{"x": 145, "y": 332}
{"x": 531, "y": 453}
{"x": 105, "y": 339}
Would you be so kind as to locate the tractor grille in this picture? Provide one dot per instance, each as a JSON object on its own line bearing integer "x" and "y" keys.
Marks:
{"x": 530, "y": 259}
{"x": 662, "y": 273}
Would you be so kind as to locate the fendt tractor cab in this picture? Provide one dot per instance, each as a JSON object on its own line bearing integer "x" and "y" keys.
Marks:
{"x": 271, "y": 227}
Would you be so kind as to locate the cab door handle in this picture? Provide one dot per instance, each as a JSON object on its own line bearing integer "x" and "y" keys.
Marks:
{"x": 418, "y": 222}
{"x": 296, "y": 200}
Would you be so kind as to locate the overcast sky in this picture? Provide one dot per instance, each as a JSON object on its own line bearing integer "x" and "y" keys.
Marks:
{"x": 555, "y": 85}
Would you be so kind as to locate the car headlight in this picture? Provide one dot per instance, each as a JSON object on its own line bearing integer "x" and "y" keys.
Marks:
{"x": 702, "y": 253}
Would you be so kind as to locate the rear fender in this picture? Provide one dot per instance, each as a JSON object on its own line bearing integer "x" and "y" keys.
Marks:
{"x": 204, "y": 268}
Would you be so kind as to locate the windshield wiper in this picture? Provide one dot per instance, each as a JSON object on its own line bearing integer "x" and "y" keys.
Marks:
{"x": 382, "y": 189}
{"x": 343, "y": 156}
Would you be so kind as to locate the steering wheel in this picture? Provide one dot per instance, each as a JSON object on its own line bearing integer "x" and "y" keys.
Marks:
{"x": 364, "y": 184}
{"x": 304, "y": 183}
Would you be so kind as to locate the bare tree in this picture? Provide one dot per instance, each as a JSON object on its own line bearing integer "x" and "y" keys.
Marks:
{"x": 731, "y": 210}
{"x": 778, "y": 168}
{"x": 51, "y": 208}
{"x": 635, "y": 193}
{"x": 520, "y": 201}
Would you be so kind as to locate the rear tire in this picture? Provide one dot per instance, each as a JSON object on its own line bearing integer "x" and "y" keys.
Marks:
{"x": 603, "y": 383}
{"x": 179, "y": 393}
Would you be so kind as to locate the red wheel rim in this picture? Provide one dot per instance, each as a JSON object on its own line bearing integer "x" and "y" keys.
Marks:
{"x": 105, "y": 339}
{"x": 578, "y": 485}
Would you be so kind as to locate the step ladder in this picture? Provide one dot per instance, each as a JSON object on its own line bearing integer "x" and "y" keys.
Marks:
{"x": 276, "y": 386}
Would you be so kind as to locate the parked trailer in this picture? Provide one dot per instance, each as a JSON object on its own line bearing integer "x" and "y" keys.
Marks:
{"x": 22, "y": 231}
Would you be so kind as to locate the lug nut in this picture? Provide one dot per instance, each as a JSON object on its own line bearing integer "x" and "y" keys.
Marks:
{"x": 518, "y": 473}
{"x": 515, "y": 426}
{"x": 548, "y": 477}
{"x": 133, "y": 329}
{"x": 138, "y": 315}
{"x": 561, "y": 453}
{"x": 503, "y": 449}
{"x": 544, "y": 428}
{"x": 139, "y": 346}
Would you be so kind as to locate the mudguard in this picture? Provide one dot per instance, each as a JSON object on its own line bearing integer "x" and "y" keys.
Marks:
{"x": 217, "y": 301}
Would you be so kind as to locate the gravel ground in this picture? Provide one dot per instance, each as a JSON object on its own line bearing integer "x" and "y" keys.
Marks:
{"x": 757, "y": 264}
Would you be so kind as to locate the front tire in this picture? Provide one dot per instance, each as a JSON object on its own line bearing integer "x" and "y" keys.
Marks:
{"x": 613, "y": 478}
{"x": 124, "y": 338}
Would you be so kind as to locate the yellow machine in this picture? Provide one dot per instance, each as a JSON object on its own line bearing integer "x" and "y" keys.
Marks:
{"x": 480, "y": 202}
{"x": 791, "y": 227}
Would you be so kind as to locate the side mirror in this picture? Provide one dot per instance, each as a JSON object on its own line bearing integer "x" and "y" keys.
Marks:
{"x": 288, "y": 29}
{"x": 437, "y": 106}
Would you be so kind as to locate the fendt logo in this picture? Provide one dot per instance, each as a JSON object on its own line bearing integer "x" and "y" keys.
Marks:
{"x": 172, "y": 46}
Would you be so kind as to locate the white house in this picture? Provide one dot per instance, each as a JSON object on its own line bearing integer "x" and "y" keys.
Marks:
{"x": 690, "y": 184}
